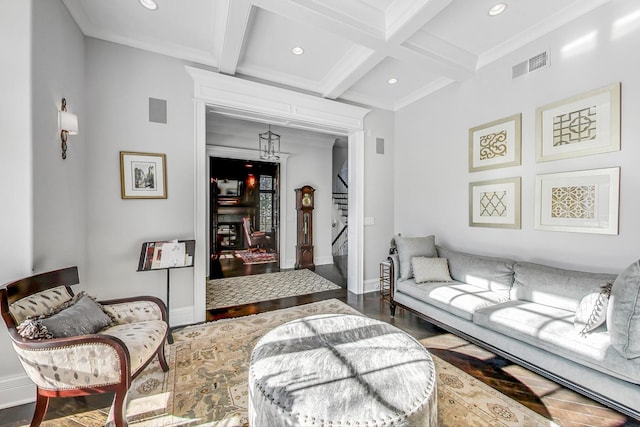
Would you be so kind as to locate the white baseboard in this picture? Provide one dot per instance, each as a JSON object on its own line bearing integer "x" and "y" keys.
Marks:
{"x": 182, "y": 316}
{"x": 323, "y": 260}
{"x": 371, "y": 285}
{"x": 16, "y": 390}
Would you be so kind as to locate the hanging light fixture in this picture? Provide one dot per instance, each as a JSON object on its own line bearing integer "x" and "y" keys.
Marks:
{"x": 269, "y": 145}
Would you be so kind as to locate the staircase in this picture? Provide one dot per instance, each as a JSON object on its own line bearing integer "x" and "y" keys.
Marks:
{"x": 339, "y": 245}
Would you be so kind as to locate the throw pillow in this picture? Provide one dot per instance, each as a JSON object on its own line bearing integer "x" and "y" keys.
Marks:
{"x": 430, "y": 269}
{"x": 623, "y": 313}
{"x": 592, "y": 311}
{"x": 80, "y": 316}
{"x": 409, "y": 247}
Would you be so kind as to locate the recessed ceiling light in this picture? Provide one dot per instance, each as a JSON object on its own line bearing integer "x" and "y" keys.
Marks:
{"x": 297, "y": 50}
{"x": 497, "y": 9}
{"x": 149, "y": 4}
{"x": 392, "y": 81}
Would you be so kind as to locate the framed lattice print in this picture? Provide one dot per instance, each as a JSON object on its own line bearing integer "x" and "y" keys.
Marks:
{"x": 495, "y": 203}
{"x": 495, "y": 144}
{"x": 582, "y": 125}
{"x": 580, "y": 201}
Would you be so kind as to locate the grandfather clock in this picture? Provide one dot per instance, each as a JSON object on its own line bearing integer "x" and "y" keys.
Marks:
{"x": 304, "y": 248}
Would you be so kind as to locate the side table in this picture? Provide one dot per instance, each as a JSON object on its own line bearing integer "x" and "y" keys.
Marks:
{"x": 385, "y": 280}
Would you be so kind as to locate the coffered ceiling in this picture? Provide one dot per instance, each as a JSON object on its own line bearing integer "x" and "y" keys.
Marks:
{"x": 351, "y": 47}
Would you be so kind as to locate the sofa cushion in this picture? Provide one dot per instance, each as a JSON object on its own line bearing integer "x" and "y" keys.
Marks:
{"x": 461, "y": 299}
{"x": 554, "y": 287}
{"x": 40, "y": 303}
{"x": 623, "y": 313}
{"x": 551, "y": 329}
{"x": 142, "y": 339}
{"x": 430, "y": 269}
{"x": 494, "y": 274}
{"x": 409, "y": 247}
{"x": 592, "y": 311}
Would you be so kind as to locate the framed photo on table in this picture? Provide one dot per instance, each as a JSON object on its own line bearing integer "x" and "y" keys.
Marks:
{"x": 578, "y": 126}
{"x": 495, "y": 203}
{"x": 143, "y": 175}
{"x": 496, "y": 144}
{"x": 580, "y": 201}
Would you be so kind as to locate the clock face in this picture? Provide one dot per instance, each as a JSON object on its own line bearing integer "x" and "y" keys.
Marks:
{"x": 306, "y": 199}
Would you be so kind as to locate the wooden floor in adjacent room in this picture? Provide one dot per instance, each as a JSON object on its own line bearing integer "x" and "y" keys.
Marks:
{"x": 551, "y": 400}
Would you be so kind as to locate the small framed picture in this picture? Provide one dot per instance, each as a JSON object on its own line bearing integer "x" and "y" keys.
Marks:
{"x": 495, "y": 203}
{"x": 579, "y": 126}
{"x": 496, "y": 144}
{"x": 580, "y": 201}
{"x": 143, "y": 175}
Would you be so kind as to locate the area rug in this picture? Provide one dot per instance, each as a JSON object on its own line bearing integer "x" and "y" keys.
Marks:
{"x": 240, "y": 290}
{"x": 207, "y": 381}
{"x": 249, "y": 257}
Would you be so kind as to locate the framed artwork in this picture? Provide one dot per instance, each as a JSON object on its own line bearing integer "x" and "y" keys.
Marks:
{"x": 143, "y": 175}
{"x": 581, "y": 201}
{"x": 495, "y": 203}
{"x": 582, "y": 125}
{"x": 496, "y": 144}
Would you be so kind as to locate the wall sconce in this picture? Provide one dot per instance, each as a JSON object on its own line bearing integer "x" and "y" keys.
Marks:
{"x": 68, "y": 124}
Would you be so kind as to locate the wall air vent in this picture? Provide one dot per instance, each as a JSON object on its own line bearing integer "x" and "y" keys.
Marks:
{"x": 536, "y": 62}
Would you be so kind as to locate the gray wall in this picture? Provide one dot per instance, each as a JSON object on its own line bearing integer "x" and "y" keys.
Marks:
{"x": 120, "y": 81}
{"x": 44, "y": 229}
{"x": 431, "y": 178}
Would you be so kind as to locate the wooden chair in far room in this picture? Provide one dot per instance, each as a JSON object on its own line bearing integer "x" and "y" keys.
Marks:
{"x": 257, "y": 240}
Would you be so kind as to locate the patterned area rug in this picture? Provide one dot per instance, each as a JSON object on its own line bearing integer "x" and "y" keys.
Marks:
{"x": 248, "y": 257}
{"x": 264, "y": 287}
{"x": 207, "y": 381}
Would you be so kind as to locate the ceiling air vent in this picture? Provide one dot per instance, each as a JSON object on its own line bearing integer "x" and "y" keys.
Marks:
{"x": 536, "y": 62}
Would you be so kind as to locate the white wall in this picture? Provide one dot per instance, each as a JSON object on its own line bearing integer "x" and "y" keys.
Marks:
{"x": 432, "y": 177}
{"x": 378, "y": 193}
{"x": 309, "y": 163}
{"x": 60, "y": 190}
{"x": 15, "y": 172}
{"x": 120, "y": 81}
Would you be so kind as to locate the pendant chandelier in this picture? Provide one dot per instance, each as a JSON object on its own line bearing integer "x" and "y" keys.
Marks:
{"x": 269, "y": 145}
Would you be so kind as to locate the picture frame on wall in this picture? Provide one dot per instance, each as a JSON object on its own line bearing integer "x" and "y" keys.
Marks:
{"x": 495, "y": 203}
{"x": 143, "y": 175}
{"x": 496, "y": 144}
{"x": 579, "y": 201}
{"x": 581, "y": 125}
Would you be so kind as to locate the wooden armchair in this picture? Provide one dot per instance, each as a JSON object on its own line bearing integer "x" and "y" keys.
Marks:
{"x": 103, "y": 362}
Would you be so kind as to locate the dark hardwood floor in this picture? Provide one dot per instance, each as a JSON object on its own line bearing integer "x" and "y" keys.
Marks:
{"x": 545, "y": 397}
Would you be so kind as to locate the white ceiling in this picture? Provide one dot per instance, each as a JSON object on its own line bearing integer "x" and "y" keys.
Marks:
{"x": 352, "y": 47}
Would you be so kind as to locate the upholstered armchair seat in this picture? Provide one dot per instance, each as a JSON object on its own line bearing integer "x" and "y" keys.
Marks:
{"x": 100, "y": 362}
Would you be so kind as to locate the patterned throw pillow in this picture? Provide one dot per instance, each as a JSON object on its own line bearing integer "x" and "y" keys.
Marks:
{"x": 430, "y": 269}
{"x": 80, "y": 316}
{"x": 592, "y": 311}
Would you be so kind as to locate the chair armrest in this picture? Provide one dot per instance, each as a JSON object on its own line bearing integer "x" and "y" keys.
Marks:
{"x": 139, "y": 309}
{"x": 86, "y": 361}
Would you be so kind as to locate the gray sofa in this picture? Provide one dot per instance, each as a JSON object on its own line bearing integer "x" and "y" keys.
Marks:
{"x": 526, "y": 313}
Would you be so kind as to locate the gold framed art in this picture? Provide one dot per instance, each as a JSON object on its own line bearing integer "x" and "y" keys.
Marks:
{"x": 579, "y": 201}
{"x": 496, "y": 144}
{"x": 495, "y": 203}
{"x": 143, "y": 175}
{"x": 582, "y": 125}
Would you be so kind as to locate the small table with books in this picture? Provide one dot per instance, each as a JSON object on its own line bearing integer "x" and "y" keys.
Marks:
{"x": 166, "y": 255}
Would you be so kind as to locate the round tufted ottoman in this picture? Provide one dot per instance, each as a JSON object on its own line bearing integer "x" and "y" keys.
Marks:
{"x": 340, "y": 370}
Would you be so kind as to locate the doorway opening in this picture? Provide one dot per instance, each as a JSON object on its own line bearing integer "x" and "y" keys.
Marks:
{"x": 244, "y": 216}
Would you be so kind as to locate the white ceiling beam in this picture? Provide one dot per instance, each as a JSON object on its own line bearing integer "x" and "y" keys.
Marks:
{"x": 237, "y": 14}
{"x": 354, "y": 65}
{"x": 297, "y": 10}
{"x": 403, "y": 19}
